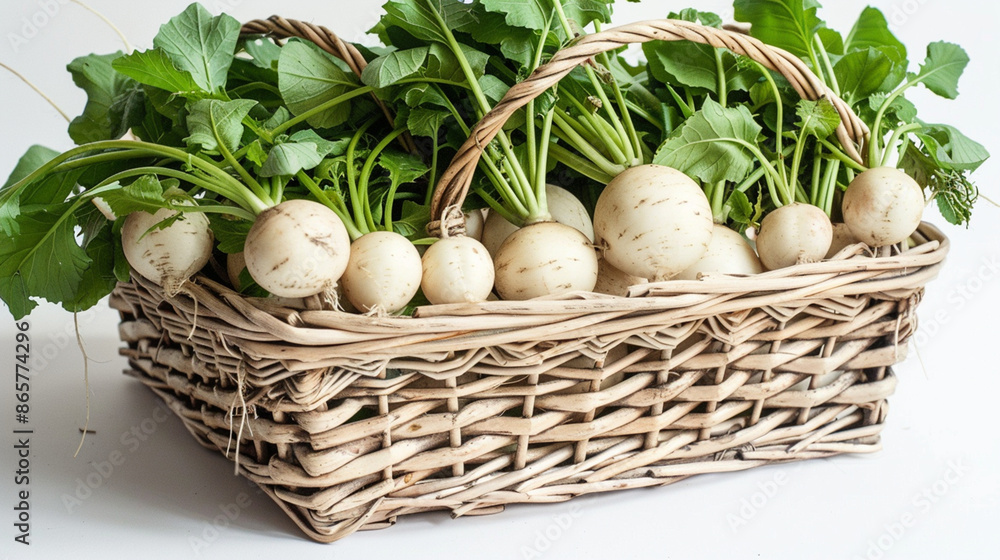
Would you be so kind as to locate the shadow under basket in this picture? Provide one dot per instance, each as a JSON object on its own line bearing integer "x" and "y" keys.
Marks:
{"x": 350, "y": 421}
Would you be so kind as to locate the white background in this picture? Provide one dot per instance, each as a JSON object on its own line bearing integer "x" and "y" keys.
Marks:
{"x": 938, "y": 471}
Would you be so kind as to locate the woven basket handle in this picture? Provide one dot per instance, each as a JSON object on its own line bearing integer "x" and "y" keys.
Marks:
{"x": 453, "y": 187}
{"x": 281, "y": 28}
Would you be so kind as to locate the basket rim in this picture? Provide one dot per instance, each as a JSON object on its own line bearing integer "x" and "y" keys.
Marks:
{"x": 850, "y": 274}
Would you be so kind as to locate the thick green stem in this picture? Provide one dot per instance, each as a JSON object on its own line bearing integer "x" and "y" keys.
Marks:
{"x": 829, "y": 186}
{"x": 358, "y": 211}
{"x": 567, "y": 133}
{"x": 319, "y": 109}
{"x": 778, "y": 139}
{"x": 720, "y": 73}
{"x": 321, "y": 196}
{"x": 135, "y": 149}
{"x": 841, "y": 156}
{"x": 542, "y": 212}
{"x": 478, "y": 95}
{"x": 890, "y": 146}
{"x": 579, "y": 164}
{"x": 718, "y": 200}
{"x": 827, "y": 65}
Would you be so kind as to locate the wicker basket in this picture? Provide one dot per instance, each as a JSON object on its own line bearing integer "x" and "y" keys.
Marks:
{"x": 350, "y": 421}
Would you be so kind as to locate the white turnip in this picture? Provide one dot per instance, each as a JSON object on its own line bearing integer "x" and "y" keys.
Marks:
{"x": 792, "y": 234}
{"x": 653, "y": 222}
{"x": 457, "y": 270}
{"x": 297, "y": 249}
{"x": 728, "y": 253}
{"x": 546, "y": 258}
{"x": 474, "y": 222}
{"x": 563, "y": 206}
{"x": 383, "y": 273}
{"x": 168, "y": 256}
{"x": 883, "y": 206}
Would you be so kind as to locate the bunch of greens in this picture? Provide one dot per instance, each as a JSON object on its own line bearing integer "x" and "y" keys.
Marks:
{"x": 755, "y": 145}
{"x": 224, "y": 125}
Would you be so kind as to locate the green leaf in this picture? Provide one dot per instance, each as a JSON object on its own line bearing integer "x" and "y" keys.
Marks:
{"x": 865, "y": 72}
{"x": 289, "y": 158}
{"x": 229, "y": 232}
{"x": 493, "y": 87}
{"x": 952, "y": 150}
{"x": 693, "y": 65}
{"x": 742, "y": 210}
{"x": 414, "y": 220}
{"x": 127, "y": 110}
{"x": 201, "y": 44}
{"x": 43, "y": 260}
{"x": 417, "y": 18}
{"x": 211, "y": 121}
{"x": 942, "y": 68}
{"x": 872, "y": 31}
{"x": 99, "y": 279}
{"x": 255, "y": 153}
{"x": 309, "y": 77}
{"x": 154, "y": 68}
{"x": 708, "y": 145}
{"x": 145, "y": 194}
{"x": 389, "y": 69}
{"x": 425, "y": 121}
{"x": 817, "y": 118}
{"x": 95, "y": 75}
{"x": 48, "y": 190}
{"x": 325, "y": 147}
{"x": 34, "y": 158}
{"x": 787, "y": 24}
{"x": 516, "y": 43}
{"x": 532, "y": 14}
{"x": 402, "y": 167}
{"x": 833, "y": 43}
{"x": 264, "y": 52}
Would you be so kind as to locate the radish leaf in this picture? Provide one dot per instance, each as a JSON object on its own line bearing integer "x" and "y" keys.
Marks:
{"x": 309, "y": 77}
{"x": 201, "y": 44}
{"x": 711, "y": 144}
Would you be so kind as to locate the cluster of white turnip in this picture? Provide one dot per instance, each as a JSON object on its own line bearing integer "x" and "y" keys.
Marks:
{"x": 651, "y": 224}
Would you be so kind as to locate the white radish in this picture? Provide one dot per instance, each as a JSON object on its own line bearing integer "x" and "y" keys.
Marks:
{"x": 297, "y": 249}
{"x": 883, "y": 206}
{"x": 612, "y": 281}
{"x": 169, "y": 256}
{"x": 546, "y": 258}
{"x": 842, "y": 237}
{"x": 728, "y": 253}
{"x": 795, "y": 233}
{"x": 384, "y": 272}
{"x": 653, "y": 222}
{"x": 496, "y": 230}
{"x": 566, "y": 208}
{"x": 457, "y": 270}
{"x": 563, "y": 206}
{"x": 474, "y": 222}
